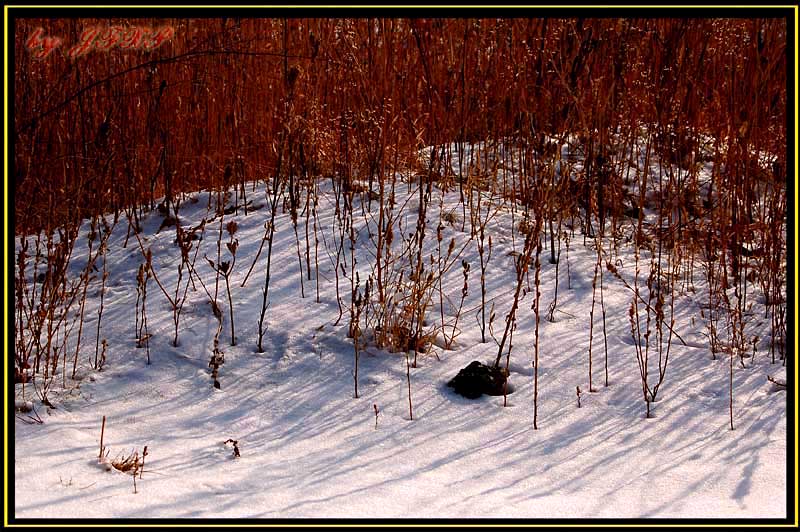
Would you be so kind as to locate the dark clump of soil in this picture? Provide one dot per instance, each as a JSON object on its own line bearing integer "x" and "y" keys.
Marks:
{"x": 478, "y": 379}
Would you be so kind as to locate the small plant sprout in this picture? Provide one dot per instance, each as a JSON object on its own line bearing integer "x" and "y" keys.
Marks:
{"x": 217, "y": 356}
{"x": 141, "y": 469}
{"x": 408, "y": 381}
{"x": 235, "y": 444}
{"x": 102, "y": 433}
{"x": 142, "y": 335}
{"x": 779, "y": 384}
{"x": 102, "y": 362}
{"x": 125, "y": 463}
{"x": 225, "y": 268}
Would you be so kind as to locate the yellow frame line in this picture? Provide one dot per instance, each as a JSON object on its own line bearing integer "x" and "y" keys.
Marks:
{"x": 795, "y": 269}
{"x": 429, "y": 6}
{"x": 5, "y": 263}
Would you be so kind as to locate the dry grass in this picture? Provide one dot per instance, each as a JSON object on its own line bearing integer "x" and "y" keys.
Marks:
{"x": 355, "y": 101}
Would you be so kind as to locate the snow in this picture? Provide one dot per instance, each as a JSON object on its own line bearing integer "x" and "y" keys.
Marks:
{"x": 310, "y": 449}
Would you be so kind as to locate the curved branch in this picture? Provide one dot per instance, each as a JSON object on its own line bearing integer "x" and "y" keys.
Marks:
{"x": 164, "y": 60}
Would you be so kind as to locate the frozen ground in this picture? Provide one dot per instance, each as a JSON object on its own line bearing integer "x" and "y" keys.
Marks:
{"x": 309, "y": 449}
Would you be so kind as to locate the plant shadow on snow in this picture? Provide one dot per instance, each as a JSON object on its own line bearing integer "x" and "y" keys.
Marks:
{"x": 303, "y": 434}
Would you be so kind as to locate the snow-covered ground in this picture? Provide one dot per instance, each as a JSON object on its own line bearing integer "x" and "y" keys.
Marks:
{"x": 310, "y": 449}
